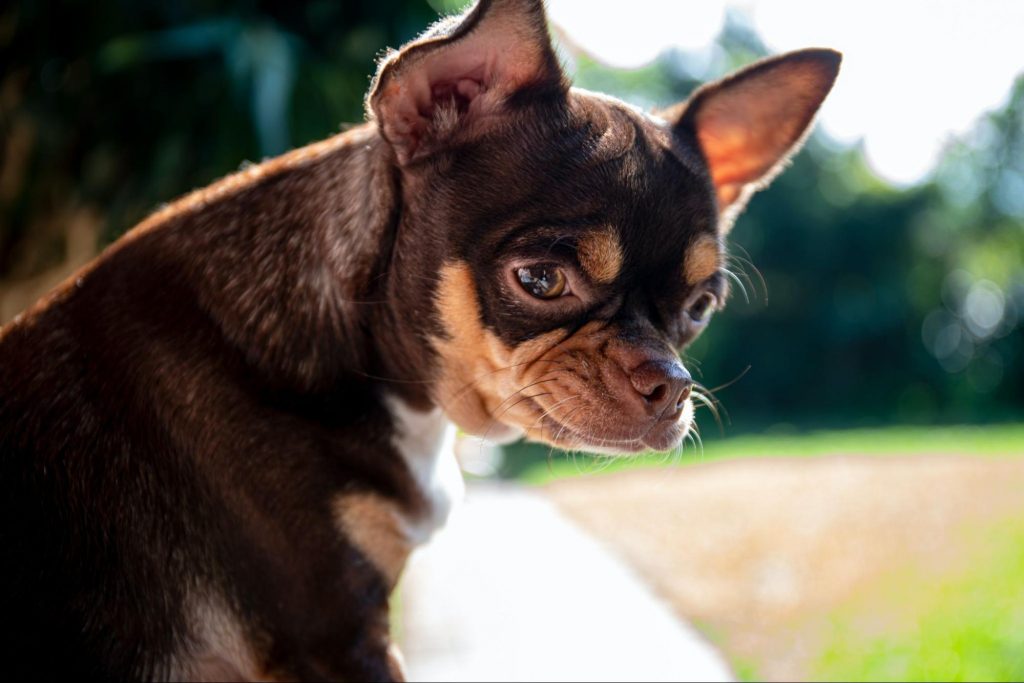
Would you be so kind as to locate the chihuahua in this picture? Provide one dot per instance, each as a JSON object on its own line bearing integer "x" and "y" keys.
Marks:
{"x": 221, "y": 439}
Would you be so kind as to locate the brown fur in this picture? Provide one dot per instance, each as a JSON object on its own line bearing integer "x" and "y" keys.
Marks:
{"x": 219, "y": 440}
{"x": 702, "y": 259}
{"x": 600, "y": 254}
{"x": 375, "y": 525}
{"x": 479, "y": 374}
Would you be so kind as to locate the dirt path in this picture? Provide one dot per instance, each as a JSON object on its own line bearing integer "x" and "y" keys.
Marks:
{"x": 759, "y": 551}
{"x": 512, "y": 591}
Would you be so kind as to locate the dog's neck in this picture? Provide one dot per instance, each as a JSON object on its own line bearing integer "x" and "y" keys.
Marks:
{"x": 400, "y": 320}
{"x": 297, "y": 261}
{"x": 375, "y": 253}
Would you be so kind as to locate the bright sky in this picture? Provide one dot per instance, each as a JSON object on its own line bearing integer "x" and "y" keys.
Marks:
{"x": 915, "y": 72}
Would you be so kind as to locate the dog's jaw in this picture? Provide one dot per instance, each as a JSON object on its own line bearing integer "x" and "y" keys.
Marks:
{"x": 659, "y": 438}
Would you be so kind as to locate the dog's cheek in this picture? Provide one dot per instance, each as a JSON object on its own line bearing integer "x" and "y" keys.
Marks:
{"x": 479, "y": 375}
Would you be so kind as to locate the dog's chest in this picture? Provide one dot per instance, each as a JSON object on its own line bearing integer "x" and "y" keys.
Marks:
{"x": 426, "y": 443}
{"x": 384, "y": 530}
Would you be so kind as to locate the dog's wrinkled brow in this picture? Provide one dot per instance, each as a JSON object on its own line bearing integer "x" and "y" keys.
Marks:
{"x": 555, "y": 238}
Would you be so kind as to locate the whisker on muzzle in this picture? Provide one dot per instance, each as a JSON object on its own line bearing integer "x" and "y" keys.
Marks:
{"x": 551, "y": 410}
{"x": 739, "y": 283}
{"x": 564, "y": 422}
{"x": 496, "y": 418}
{"x": 710, "y": 404}
{"x": 742, "y": 263}
{"x": 473, "y": 382}
{"x": 695, "y": 438}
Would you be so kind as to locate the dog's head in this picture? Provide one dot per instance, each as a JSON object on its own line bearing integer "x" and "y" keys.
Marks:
{"x": 561, "y": 246}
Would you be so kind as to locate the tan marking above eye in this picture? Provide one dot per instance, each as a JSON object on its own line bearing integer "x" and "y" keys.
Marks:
{"x": 600, "y": 255}
{"x": 702, "y": 259}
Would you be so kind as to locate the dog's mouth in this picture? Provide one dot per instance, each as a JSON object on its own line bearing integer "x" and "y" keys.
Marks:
{"x": 600, "y": 431}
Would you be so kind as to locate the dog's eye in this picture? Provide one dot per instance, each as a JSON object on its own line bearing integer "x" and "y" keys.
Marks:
{"x": 543, "y": 282}
{"x": 701, "y": 309}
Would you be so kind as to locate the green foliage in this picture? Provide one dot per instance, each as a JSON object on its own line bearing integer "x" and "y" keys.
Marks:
{"x": 967, "y": 626}
{"x": 868, "y": 305}
{"x": 855, "y": 303}
{"x": 124, "y": 105}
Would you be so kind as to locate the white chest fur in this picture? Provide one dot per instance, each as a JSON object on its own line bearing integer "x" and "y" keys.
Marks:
{"x": 426, "y": 441}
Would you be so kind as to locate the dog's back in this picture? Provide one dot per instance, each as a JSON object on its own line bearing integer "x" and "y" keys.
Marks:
{"x": 93, "y": 498}
{"x": 159, "y": 458}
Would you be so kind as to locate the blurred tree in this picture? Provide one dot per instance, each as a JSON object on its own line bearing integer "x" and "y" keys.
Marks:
{"x": 867, "y": 304}
{"x": 120, "y": 105}
{"x": 849, "y": 280}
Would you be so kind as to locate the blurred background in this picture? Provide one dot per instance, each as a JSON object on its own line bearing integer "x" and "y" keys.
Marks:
{"x": 877, "y": 320}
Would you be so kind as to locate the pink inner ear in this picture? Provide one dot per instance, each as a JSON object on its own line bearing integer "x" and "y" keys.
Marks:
{"x": 462, "y": 90}
{"x": 474, "y": 73}
{"x": 749, "y": 123}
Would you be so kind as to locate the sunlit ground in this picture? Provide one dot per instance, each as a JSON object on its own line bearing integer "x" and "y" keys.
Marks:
{"x": 890, "y": 554}
{"x": 964, "y": 623}
{"x": 537, "y": 464}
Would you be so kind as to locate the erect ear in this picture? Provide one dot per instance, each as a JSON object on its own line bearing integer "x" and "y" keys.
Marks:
{"x": 749, "y": 123}
{"x": 452, "y": 80}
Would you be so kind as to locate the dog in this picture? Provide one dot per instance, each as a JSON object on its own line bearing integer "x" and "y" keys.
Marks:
{"x": 221, "y": 439}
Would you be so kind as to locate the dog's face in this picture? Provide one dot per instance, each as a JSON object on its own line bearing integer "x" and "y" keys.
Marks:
{"x": 572, "y": 244}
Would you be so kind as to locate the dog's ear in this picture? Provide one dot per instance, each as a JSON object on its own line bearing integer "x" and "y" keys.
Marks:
{"x": 455, "y": 78}
{"x": 749, "y": 123}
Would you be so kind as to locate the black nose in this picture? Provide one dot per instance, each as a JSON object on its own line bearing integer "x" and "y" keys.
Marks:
{"x": 663, "y": 386}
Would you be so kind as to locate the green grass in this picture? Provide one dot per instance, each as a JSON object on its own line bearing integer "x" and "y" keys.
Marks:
{"x": 964, "y": 626}
{"x": 531, "y": 464}
{"x": 961, "y": 619}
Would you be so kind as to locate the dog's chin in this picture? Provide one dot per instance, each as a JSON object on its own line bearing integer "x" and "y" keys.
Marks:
{"x": 661, "y": 437}
{"x": 606, "y": 438}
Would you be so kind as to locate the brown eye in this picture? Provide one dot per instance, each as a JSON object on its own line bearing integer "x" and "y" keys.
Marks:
{"x": 701, "y": 309}
{"x": 543, "y": 282}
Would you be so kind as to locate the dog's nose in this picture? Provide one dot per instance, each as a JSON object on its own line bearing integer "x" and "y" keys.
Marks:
{"x": 663, "y": 386}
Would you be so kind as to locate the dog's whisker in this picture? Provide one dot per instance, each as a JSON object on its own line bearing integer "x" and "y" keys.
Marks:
{"x": 745, "y": 259}
{"x": 739, "y": 283}
{"x": 393, "y": 380}
{"x": 690, "y": 362}
{"x": 542, "y": 380}
{"x": 739, "y": 266}
{"x": 564, "y": 423}
{"x": 449, "y": 402}
{"x": 548, "y": 411}
{"x": 702, "y": 395}
{"x": 698, "y": 442}
{"x": 457, "y": 395}
{"x": 679, "y": 451}
{"x": 730, "y": 382}
{"x": 496, "y": 416}
{"x": 496, "y": 420}
{"x": 710, "y": 405}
